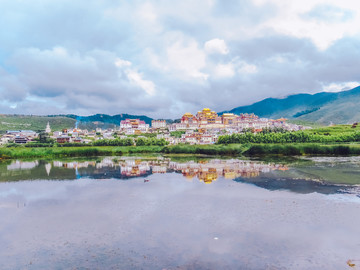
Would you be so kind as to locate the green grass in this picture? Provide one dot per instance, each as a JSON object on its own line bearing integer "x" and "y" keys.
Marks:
{"x": 305, "y": 123}
{"x": 213, "y": 149}
{"x": 195, "y": 150}
{"x": 304, "y": 149}
{"x": 23, "y": 152}
{"x": 333, "y": 130}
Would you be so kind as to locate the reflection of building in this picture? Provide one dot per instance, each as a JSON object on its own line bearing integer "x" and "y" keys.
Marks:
{"x": 229, "y": 169}
{"x": 207, "y": 176}
{"x": 206, "y": 171}
{"x": 159, "y": 169}
{"x": 134, "y": 167}
{"x": 48, "y": 168}
{"x": 74, "y": 164}
{"x": 22, "y": 165}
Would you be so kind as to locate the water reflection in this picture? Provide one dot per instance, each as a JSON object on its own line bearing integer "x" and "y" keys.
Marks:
{"x": 211, "y": 170}
{"x": 303, "y": 177}
{"x": 207, "y": 170}
{"x": 22, "y": 165}
{"x": 174, "y": 220}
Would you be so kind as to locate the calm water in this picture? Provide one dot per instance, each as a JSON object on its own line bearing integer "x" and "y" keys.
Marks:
{"x": 180, "y": 213}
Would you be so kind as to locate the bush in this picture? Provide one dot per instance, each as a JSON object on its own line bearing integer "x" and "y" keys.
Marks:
{"x": 288, "y": 137}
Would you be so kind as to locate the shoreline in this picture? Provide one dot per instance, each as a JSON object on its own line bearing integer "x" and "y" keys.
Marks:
{"x": 247, "y": 150}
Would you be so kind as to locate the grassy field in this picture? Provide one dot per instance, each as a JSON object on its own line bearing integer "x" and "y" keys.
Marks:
{"x": 305, "y": 123}
{"x": 214, "y": 150}
{"x": 295, "y": 149}
{"x": 333, "y": 130}
{"x": 51, "y": 152}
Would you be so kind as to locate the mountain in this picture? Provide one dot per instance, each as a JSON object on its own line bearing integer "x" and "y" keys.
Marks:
{"x": 104, "y": 120}
{"x": 59, "y": 122}
{"x": 323, "y": 108}
{"x": 33, "y": 122}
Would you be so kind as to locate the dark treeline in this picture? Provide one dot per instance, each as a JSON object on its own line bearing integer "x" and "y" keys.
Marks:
{"x": 225, "y": 150}
{"x": 288, "y": 137}
{"x": 150, "y": 141}
{"x": 140, "y": 141}
{"x": 114, "y": 142}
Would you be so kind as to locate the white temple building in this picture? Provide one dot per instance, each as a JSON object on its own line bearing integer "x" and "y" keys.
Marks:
{"x": 48, "y": 129}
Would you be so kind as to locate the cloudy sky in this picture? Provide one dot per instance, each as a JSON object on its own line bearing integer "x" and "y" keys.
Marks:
{"x": 162, "y": 58}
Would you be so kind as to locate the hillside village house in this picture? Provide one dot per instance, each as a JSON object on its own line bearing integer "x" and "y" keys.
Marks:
{"x": 23, "y": 133}
{"x": 19, "y": 136}
{"x": 20, "y": 139}
{"x": 158, "y": 124}
{"x": 133, "y": 126}
{"x": 202, "y": 128}
{"x": 63, "y": 139}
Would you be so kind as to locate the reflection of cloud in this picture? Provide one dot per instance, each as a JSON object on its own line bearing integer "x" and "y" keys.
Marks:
{"x": 97, "y": 218}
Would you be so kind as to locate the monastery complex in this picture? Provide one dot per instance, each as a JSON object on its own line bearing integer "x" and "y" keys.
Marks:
{"x": 203, "y": 128}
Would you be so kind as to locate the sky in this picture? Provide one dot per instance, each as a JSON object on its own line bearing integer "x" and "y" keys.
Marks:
{"x": 162, "y": 58}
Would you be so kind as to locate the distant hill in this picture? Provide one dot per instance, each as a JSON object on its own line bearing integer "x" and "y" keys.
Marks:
{"x": 104, "y": 120}
{"x": 59, "y": 122}
{"x": 33, "y": 122}
{"x": 324, "y": 107}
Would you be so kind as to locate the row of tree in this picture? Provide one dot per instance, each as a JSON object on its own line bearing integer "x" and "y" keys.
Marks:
{"x": 140, "y": 141}
{"x": 288, "y": 137}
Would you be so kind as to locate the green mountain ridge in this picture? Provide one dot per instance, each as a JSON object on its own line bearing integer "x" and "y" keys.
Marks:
{"x": 323, "y": 108}
{"x": 59, "y": 122}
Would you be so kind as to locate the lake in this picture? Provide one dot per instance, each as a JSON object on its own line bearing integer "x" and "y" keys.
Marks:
{"x": 180, "y": 212}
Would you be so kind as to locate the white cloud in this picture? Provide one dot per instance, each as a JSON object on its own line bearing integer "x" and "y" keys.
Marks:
{"x": 216, "y": 46}
{"x": 187, "y": 60}
{"x": 122, "y": 63}
{"x": 155, "y": 57}
{"x": 146, "y": 85}
{"x": 246, "y": 68}
{"x": 290, "y": 20}
{"x": 147, "y": 12}
{"x": 224, "y": 71}
{"x": 337, "y": 87}
{"x": 135, "y": 77}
